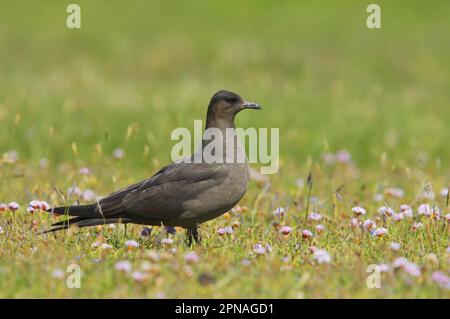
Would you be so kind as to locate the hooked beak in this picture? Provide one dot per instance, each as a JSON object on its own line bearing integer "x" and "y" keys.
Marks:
{"x": 251, "y": 105}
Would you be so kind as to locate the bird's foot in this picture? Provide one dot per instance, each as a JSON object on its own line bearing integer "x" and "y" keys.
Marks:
{"x": 192, "y": 234}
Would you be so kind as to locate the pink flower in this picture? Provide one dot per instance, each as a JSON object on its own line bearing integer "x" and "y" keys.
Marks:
{"x": 130, "y": 244}
{"x": 379, "y": 232}
{"x": 399, "y": 262}
{"x": 394, "y": 192}
{"x": 13, "y": 206}
{"x": 447, "y": 217}
{"x": 412, "y": 269}
{"x": 395, "y": 246}
{"x": 369, "y": 224}
{"x": 285, "y": 230}
{"x": 320, "y": 228}
{"x": 31, "y": 210}
{"x": 406, "y": 210}
{"x": 139, "y": 276}
{"x": 416, "y": 226}
{"x": 261, "y": 250}
{"x": 441, "y": 279}
{"x": 384, "y": 267}
{"x": 315, "y": 216}
{"x": 306, "y": 234}
{"x": 35, "y": 204}
{"x": 225, "y": 231}
{"x": 397, "y": 217}
{"x": 378, "y": 197}
{"x": 123, "y": 266}
{"x": 88, "y": 195}
{"x": 424, "y": 209}
{"x": 322, "y": 256}
{"x": 3, "y": 208}
{"x": 386, "y": 211}
{"x": 167, "y": 241}
{"x": 444, "y": 192}
{"x": 343, "y": 156}
{"x": 191, "y": 257}
{"x": 279, "y": 212}
{"x": 358, "y": 210}
{"x": 85, "y": 171}
{"x": 355, "y": 222}
{"x": 118, "y": 153}
{"x": 75, "y": 191}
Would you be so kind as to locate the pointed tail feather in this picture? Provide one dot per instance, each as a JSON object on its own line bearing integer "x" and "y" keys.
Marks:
{"x": 84, "y": 222}
{"x": 87, "y": 211}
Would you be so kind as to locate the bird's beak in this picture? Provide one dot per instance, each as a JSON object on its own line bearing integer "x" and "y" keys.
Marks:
{"x": 251, "y": 105}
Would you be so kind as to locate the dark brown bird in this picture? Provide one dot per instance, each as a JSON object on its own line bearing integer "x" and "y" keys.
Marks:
{"x": 183, "y": 193}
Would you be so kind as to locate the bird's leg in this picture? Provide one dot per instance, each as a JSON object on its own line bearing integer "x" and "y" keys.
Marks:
{"x": 192, "y": 233}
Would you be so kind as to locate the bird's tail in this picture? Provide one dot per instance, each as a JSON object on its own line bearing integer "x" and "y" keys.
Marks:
{"x": 86, "y": 215}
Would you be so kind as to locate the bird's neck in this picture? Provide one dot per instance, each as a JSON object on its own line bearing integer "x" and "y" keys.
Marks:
{"x": 220, "y": 122}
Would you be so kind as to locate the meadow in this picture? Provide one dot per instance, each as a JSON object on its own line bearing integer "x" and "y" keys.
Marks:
{"x": 86, "y": 111}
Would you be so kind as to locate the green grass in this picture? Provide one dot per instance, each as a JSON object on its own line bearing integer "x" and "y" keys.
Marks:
{"x": 135, "y": 72}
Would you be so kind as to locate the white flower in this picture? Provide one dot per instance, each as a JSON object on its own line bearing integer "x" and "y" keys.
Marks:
{"x": 416, "y": 226}
{"x": 322, "y": 256}
{"x": 124, "y": 266}
{"x": 380, "y": 232}
{"x": 130, "y": 244}
{"x": 105, "y": 246}
{"x": 358, "y": 210}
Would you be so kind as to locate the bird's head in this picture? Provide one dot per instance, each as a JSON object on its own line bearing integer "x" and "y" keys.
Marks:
{"x": 224, "y": 105}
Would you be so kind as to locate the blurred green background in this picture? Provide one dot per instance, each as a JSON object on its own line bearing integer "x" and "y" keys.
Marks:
{"x": 145, "y": 67}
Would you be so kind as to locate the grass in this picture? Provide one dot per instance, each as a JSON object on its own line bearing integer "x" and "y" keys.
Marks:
{"x": 133, "y": 73}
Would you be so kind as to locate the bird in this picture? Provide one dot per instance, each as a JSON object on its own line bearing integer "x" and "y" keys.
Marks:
{"x": 186, "y": 192}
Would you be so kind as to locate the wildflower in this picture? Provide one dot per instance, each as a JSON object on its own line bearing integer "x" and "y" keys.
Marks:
{"x": 320, "y": 228}
{"x": 369, "y": 224}
{"x": 441, "y": 279}
{"x": 399, "y": 262}
{"x": 3, "y": 207}
{"x": 167, "y": 241}
{"x": 13, "y": 206}
{"x": 31, "y": 210}
{"x": 358, "y": 211}
{"x": 343, "y": 156}
{"x": 75, "y": 191}
{"x": 225, "y": 231}
{"x": 424, "y": 209}
{"x": 191, "y": 257}
{"x": 106, "y": 246}
{"x": 285, "y": 230}
{"x": 306, "y": 234}
{"x": 416, "y": 226}
{"x": 412, "y": 269}
{"x": 118, "y": 153}
{"x": 130, "y": 244}
{"x": 259, "y": 250}
{"x": 35, "y": 204}
{"x": 146, "y": 232}
{"x": 378, "y": 197}
{"x": 124, "y": 266}
{"x": 279, "y": 212}
{"x": 398, "y": 217}
{"x": 355, "y": 222}
{"x": 444, "y": 192}
{"x": 315, "y": 216}
{"x": 447, "y": 217}
{"x": 383, "y": 267}
{"x": 45, "y": 206}
{"x": 58, "y": 274}
{"x": 84, "y": 171}
{"x": 95, "y": 244}
{"x": 1, "y": 230}
{"x": 395, "y": 246}
{"x": 379, "y": 232}
{"x": 88, "y": 195}
{"x": 386, "y": 211}
{"x": 322, "y": 256}
{"x": 406, "y": 210}
{"x": 245, "y": 262}
{"x": 140, "y": 276}
{"x": 394, "y": 192}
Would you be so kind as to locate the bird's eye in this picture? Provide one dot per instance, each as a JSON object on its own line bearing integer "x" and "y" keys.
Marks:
{"x": 231, "y": 100}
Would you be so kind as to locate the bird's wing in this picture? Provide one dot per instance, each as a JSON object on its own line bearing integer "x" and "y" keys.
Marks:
{"x": 161, "y": 197}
